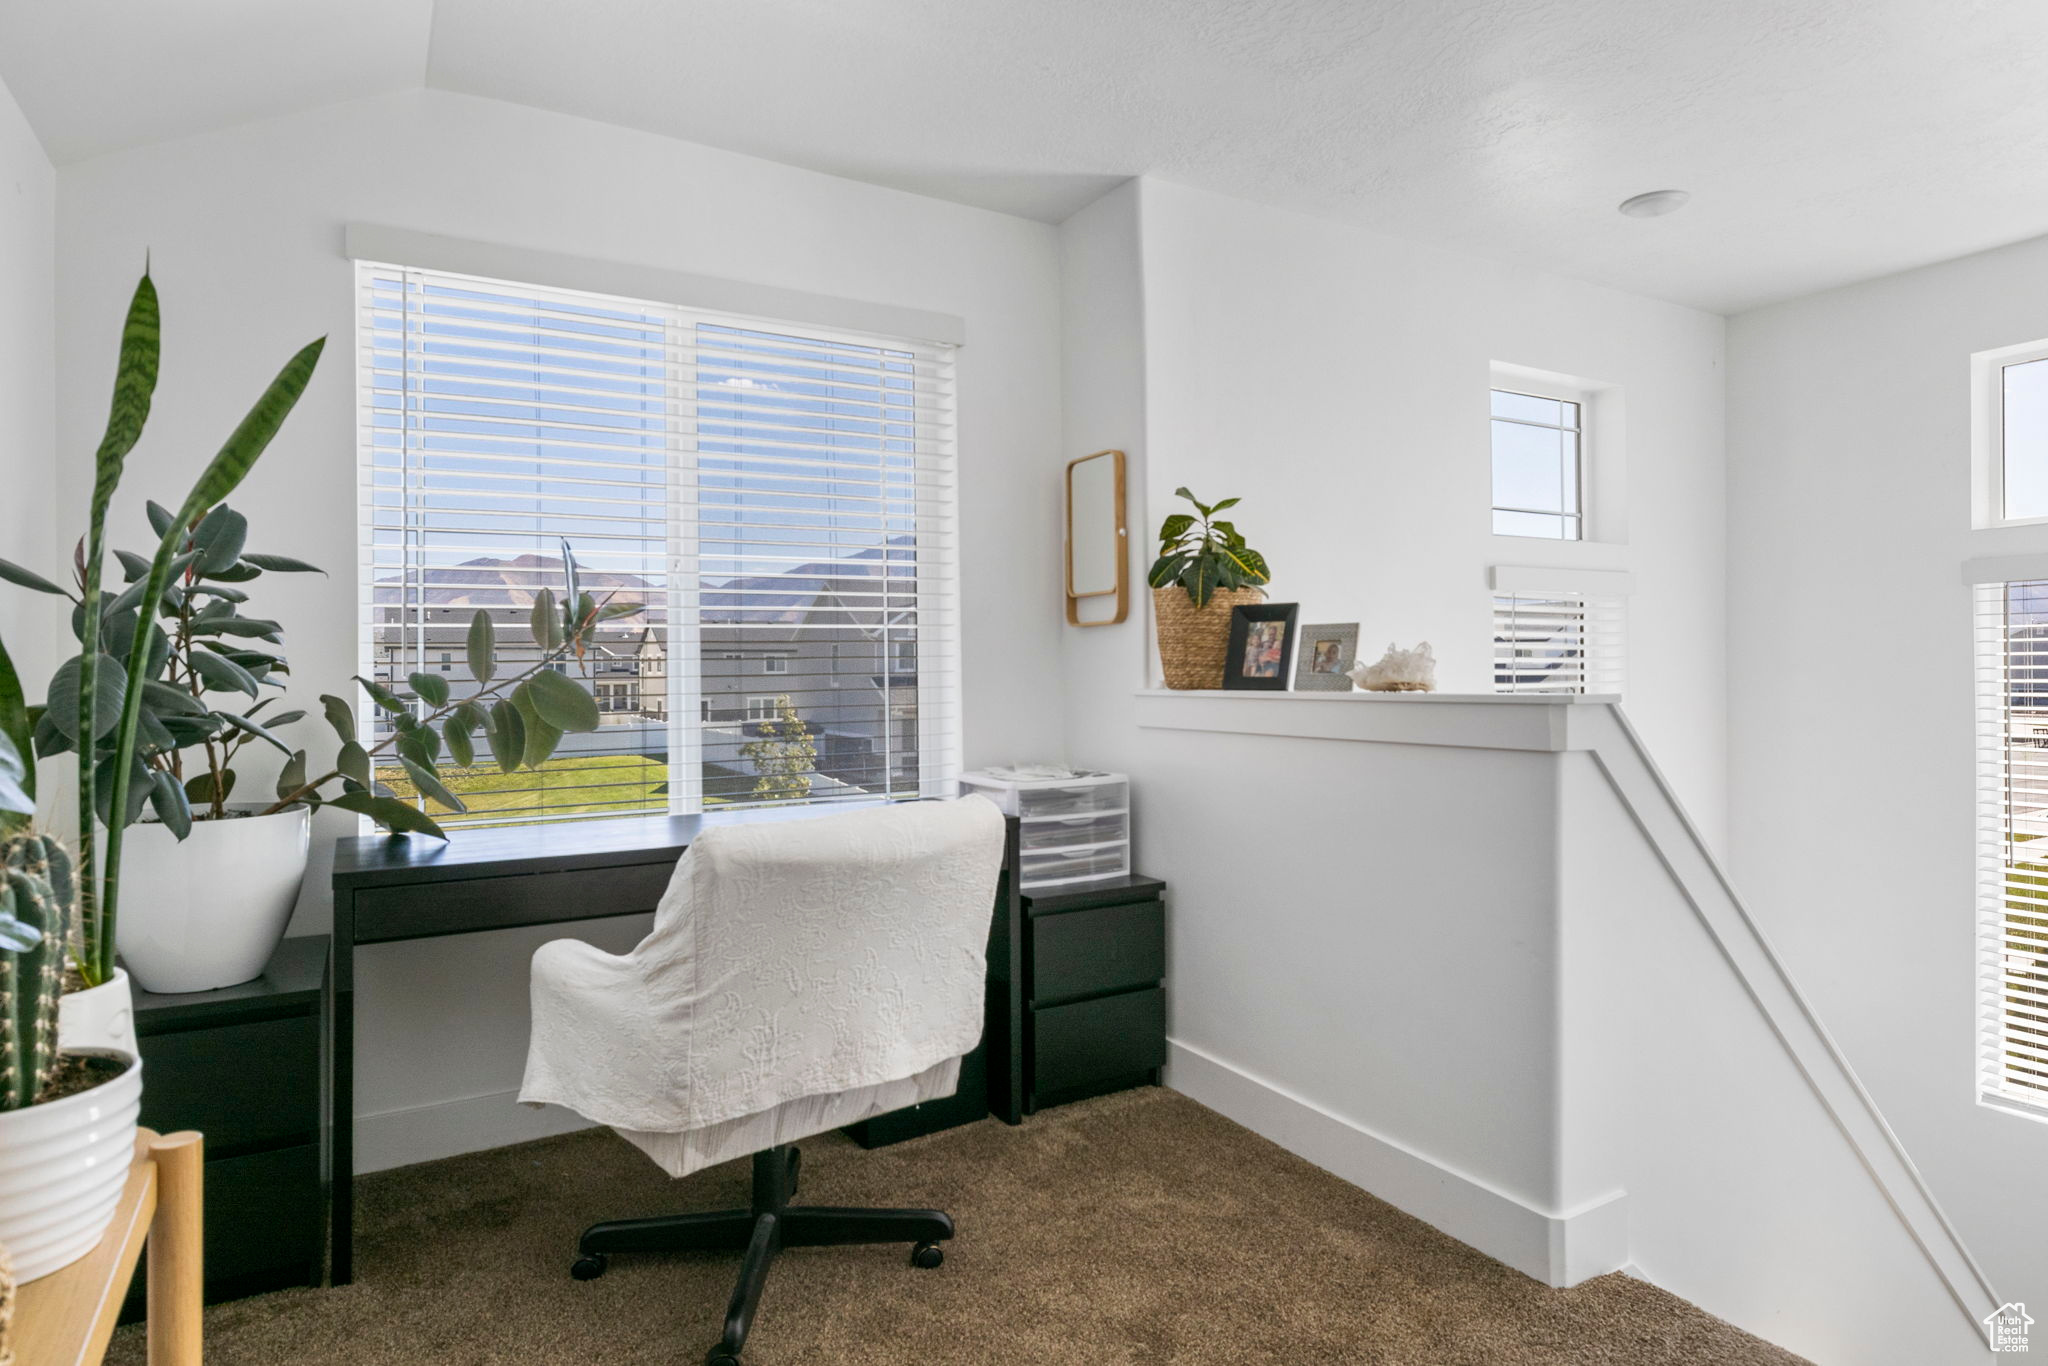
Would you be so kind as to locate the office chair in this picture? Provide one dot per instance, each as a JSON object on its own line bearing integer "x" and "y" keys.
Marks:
{"x": 801, "y": 975}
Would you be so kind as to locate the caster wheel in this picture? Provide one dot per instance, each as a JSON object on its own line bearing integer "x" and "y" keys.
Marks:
{"x": 718, "y": 1358}
{"x": 927, "y": 1255}
{"x": 589, "y": 1266}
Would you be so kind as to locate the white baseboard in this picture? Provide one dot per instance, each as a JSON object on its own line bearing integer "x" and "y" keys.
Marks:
{"x": 422, "y": 1133}
{"x": 1559, "y": 1249}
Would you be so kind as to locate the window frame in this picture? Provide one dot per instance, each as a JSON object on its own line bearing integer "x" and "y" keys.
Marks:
{"x": 1987, "y": 434}
{"x": 1522, "y": 386}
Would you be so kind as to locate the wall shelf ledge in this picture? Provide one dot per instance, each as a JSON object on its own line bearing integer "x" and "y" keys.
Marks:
{"x": 1516, "y": 721}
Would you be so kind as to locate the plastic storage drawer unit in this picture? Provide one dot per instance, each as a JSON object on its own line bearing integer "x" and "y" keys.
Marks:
{"x": 1073, "y": 828}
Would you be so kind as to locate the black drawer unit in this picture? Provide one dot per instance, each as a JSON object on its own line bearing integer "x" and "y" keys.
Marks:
{"x": 242, "y": 1065}
{"x": 1088, "y": 1012}
{"x": 1075, "y": 1003}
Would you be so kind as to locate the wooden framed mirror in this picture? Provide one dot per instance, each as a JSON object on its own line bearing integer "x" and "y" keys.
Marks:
{"x": 1098, "y": 543}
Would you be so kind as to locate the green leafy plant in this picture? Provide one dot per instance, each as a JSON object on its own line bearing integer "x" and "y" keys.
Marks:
{"x": 784, "y": 755}
{"x": 201, "y": 645}
{"x": 1202, "y": 553}
{"x": 107, "y": 625}
{"x": 204, "y": 647}
{"x": 519, "y": 717}
{"x": 128, "y": 713}
{"x": 96, "y": 700}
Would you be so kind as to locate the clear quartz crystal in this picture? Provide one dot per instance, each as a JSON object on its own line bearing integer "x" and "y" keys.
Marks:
{"x": 1399, "y": 670}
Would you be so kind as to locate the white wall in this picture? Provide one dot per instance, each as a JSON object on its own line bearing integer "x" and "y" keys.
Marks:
{"x": 1322, "y": 895}
{"x": 28, "y": 199}
{"x": 1338, "y": 381}
{"x": 1851, "y": 698}
{"x": 245, "y": 229}
{"x": 1480, "y": 994}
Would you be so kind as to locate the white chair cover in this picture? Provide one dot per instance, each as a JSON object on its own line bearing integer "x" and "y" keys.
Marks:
{"x": 800, "y": 975}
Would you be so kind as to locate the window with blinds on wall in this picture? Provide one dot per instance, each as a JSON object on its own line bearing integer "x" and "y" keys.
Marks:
{"x": 2012, "y": 810}
{"x": 775, "y": 503}
{"x": 1557, "y": 642}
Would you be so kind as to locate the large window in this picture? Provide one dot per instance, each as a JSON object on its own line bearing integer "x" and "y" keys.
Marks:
{"x": 760, "y": 492}
{"x": 1538, "y": 466}
{"x": 2012, "y": 844}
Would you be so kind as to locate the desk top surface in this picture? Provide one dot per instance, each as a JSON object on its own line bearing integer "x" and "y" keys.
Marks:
{"x": 509, "y": 850}
{"x": 498, "y": 851}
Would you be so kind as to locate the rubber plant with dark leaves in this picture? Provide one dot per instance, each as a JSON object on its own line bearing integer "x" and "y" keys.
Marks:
{"x": 1203, "y": 553}
{"x": 205, "y": 647}
{"x": 200, "y": 645}
{"x": 520, "y": 716}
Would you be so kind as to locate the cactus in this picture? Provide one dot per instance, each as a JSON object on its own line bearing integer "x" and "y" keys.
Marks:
{"x": 38, "y": 918}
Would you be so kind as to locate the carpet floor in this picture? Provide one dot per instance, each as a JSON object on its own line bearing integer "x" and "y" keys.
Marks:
{"x": 1138, "y": 1229}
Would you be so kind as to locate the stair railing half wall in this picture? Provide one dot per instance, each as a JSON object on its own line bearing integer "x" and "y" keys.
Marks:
{"x": 1605, "y": 732}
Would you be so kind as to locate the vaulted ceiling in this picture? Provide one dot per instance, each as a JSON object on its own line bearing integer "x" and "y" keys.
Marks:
{"x": 1823, "y": 141}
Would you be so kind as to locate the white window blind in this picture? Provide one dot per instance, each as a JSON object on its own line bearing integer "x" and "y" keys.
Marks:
{"x": 764, "y": 492}
{"x": 1555, "y": 642}
{"x": 2012, "y": 822}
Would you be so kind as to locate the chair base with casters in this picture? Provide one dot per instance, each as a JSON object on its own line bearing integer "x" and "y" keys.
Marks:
{"x": 761, "y": 1232}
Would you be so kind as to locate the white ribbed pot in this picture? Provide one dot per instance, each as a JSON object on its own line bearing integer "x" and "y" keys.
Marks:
{"x": 62, "y": 1166}
{"x": 98, "y": 1017}
{"x": 209, "y": 911}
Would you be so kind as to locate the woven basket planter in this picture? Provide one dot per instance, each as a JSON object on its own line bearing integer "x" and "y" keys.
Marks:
{"x": 1193, "y": 640}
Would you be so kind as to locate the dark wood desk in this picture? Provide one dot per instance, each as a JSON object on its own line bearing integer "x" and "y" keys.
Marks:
{"x": 392, "y": 888}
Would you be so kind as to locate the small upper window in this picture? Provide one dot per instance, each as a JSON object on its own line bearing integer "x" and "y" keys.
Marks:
{"x": 2023, "y": 439}
{"x": 1538, "y": 452}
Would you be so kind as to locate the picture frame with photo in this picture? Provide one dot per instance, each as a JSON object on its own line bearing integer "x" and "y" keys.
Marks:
{"x": 1261, "y": 643}
{"x": 1323, "y": 657}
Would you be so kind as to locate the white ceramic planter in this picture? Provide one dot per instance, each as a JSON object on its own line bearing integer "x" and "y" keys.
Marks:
{"x": 98, "y": 1017}
{"x": 209, "y": 912}
{"x": 62, "y": 1166}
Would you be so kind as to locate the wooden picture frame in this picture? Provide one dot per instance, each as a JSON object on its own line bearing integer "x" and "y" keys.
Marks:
{"x": 1259, "y": 657}
{"x": 1103, "y": 522}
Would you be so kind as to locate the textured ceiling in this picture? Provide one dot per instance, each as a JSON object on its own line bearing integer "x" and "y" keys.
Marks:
{"x": 1823, "y": 140}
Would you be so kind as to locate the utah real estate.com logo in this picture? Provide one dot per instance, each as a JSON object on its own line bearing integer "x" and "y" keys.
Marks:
{"x": 2005, "y": 1328}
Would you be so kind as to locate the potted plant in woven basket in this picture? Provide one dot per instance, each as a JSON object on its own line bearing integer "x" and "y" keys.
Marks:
{"x": 1203, "y": 572}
